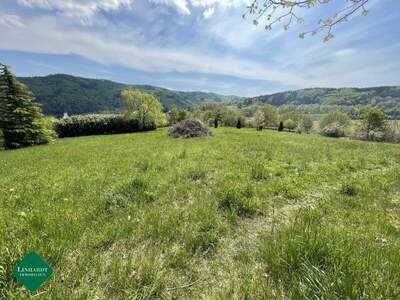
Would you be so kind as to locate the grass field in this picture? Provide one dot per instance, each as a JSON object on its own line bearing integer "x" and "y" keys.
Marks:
{"x": 241, "y": 215}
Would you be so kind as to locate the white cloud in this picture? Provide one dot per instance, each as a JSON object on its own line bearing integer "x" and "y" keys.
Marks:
{"x": 247, "y": 52}
{"x": 238, "y": 33}
{"x": 82, "y": 10}
{"x": 180, "y": 5}
{"x": 95, "y": 46}
{"x": 209, "y": 12}
{"x": 87, "y": 9}
{"x": 11, "y": 21}
{"x": 185, "y": 6}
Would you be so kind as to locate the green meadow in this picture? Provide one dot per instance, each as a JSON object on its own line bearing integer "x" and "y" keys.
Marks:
{"x": 244, "y": 214}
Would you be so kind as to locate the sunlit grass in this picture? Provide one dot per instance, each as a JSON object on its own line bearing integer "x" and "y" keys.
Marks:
{"x": 243, "y": 214}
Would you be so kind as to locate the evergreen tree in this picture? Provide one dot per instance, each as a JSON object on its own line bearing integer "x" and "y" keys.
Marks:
{"x": 280, "y": 128}
{"x": 239, "y": 124}
{"x": 21, "y": 118}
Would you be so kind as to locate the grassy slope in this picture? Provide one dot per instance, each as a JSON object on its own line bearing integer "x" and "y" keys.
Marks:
{"x": 244, "y": 214}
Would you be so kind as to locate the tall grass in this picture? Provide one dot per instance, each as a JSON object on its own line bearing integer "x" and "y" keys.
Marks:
{"x": 241, "y": 215}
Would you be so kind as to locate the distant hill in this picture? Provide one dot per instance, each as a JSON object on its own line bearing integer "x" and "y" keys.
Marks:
{"x": 76, "y": 95}
{"x": 320, "y": 100}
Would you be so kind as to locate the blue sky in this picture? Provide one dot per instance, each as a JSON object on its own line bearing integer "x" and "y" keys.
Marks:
{"x": 201, "y": 45}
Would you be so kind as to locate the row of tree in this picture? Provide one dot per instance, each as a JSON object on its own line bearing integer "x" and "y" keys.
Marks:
{"x": 374, "y": 126}
{"x": 373, "y": 123}
{"x": 258, "y": 116}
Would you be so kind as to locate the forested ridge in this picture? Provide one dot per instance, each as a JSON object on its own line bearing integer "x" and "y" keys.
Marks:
{"x": 76, "y": 95}
{"x": 322, "y": 100}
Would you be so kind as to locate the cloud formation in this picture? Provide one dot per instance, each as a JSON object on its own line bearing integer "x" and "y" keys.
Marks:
{"x": 88, "y": 8}
{"x": 77, "y": 8}
{"x": 202, "y": 39}
{"x": 11, "y": 21}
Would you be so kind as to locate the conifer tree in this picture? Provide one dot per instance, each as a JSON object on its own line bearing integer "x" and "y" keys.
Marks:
{"x": 280, "y": 128}
{"x": 21, "y": 120}
{"x": 239, "y": 124}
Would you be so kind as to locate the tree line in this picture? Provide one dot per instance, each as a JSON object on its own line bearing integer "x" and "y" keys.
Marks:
{"x": 22, "y": 122}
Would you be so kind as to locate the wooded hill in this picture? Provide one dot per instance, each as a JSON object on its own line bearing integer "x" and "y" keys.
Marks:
{"x": 322, "y": 100}
{"x": 76, "y": 95}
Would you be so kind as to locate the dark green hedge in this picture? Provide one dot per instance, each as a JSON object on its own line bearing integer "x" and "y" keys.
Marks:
{"x": 81, "y": 125}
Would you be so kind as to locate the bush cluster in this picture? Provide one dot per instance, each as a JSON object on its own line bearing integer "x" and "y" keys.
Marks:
{"x": 81, "y": 125}
{"x": 189, "y": 128}
{"x": 334, "y": 130}
{"x": 389, "y": 134}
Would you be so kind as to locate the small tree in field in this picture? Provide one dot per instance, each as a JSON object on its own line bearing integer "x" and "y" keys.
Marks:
{"x": 213, "y": 113}
{"x": 259, "y": 120}
{"x": 21, "y": 118}
{"x": 373, "y": 120}
{"x": 306, "y": 124}
{"x": 280, "y": 127}
{"x": 270, "y": 113}
{"x": 239, "y": 123}
{"x": 290, "y": 124}
{"x": 144, "y": 107}
{"x": 335, "y": 116}
{"x": 334, "y": 124}
{"x": 175, "y": 115}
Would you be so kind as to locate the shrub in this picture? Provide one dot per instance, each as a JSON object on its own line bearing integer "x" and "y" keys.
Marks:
{"x": 370, "y": 135}
{"x": 390, "y": 134}
{"x": 374, "y": 126}
{"x": 334, "y": 117}
{"x": 306, "y": 124}
{"x": 249, "y": 123}
{"x": 290, "y": 124}
{"x": 333, "y": 130}
{"x": 47, "y": 133}
{"x": 239, "y": 123}
{"x": 374, "y": 119}
{"x": 176, "y": 115}
{"x": 189, "y": 128}
{"x": 81, "y": 125}
{"x": 280, "y": 128}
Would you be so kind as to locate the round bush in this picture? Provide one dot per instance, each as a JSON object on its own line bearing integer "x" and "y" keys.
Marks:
{"x": 290, "y": 124}
{"x": 189, "y": 128}
{"x": 333, "y": 130}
